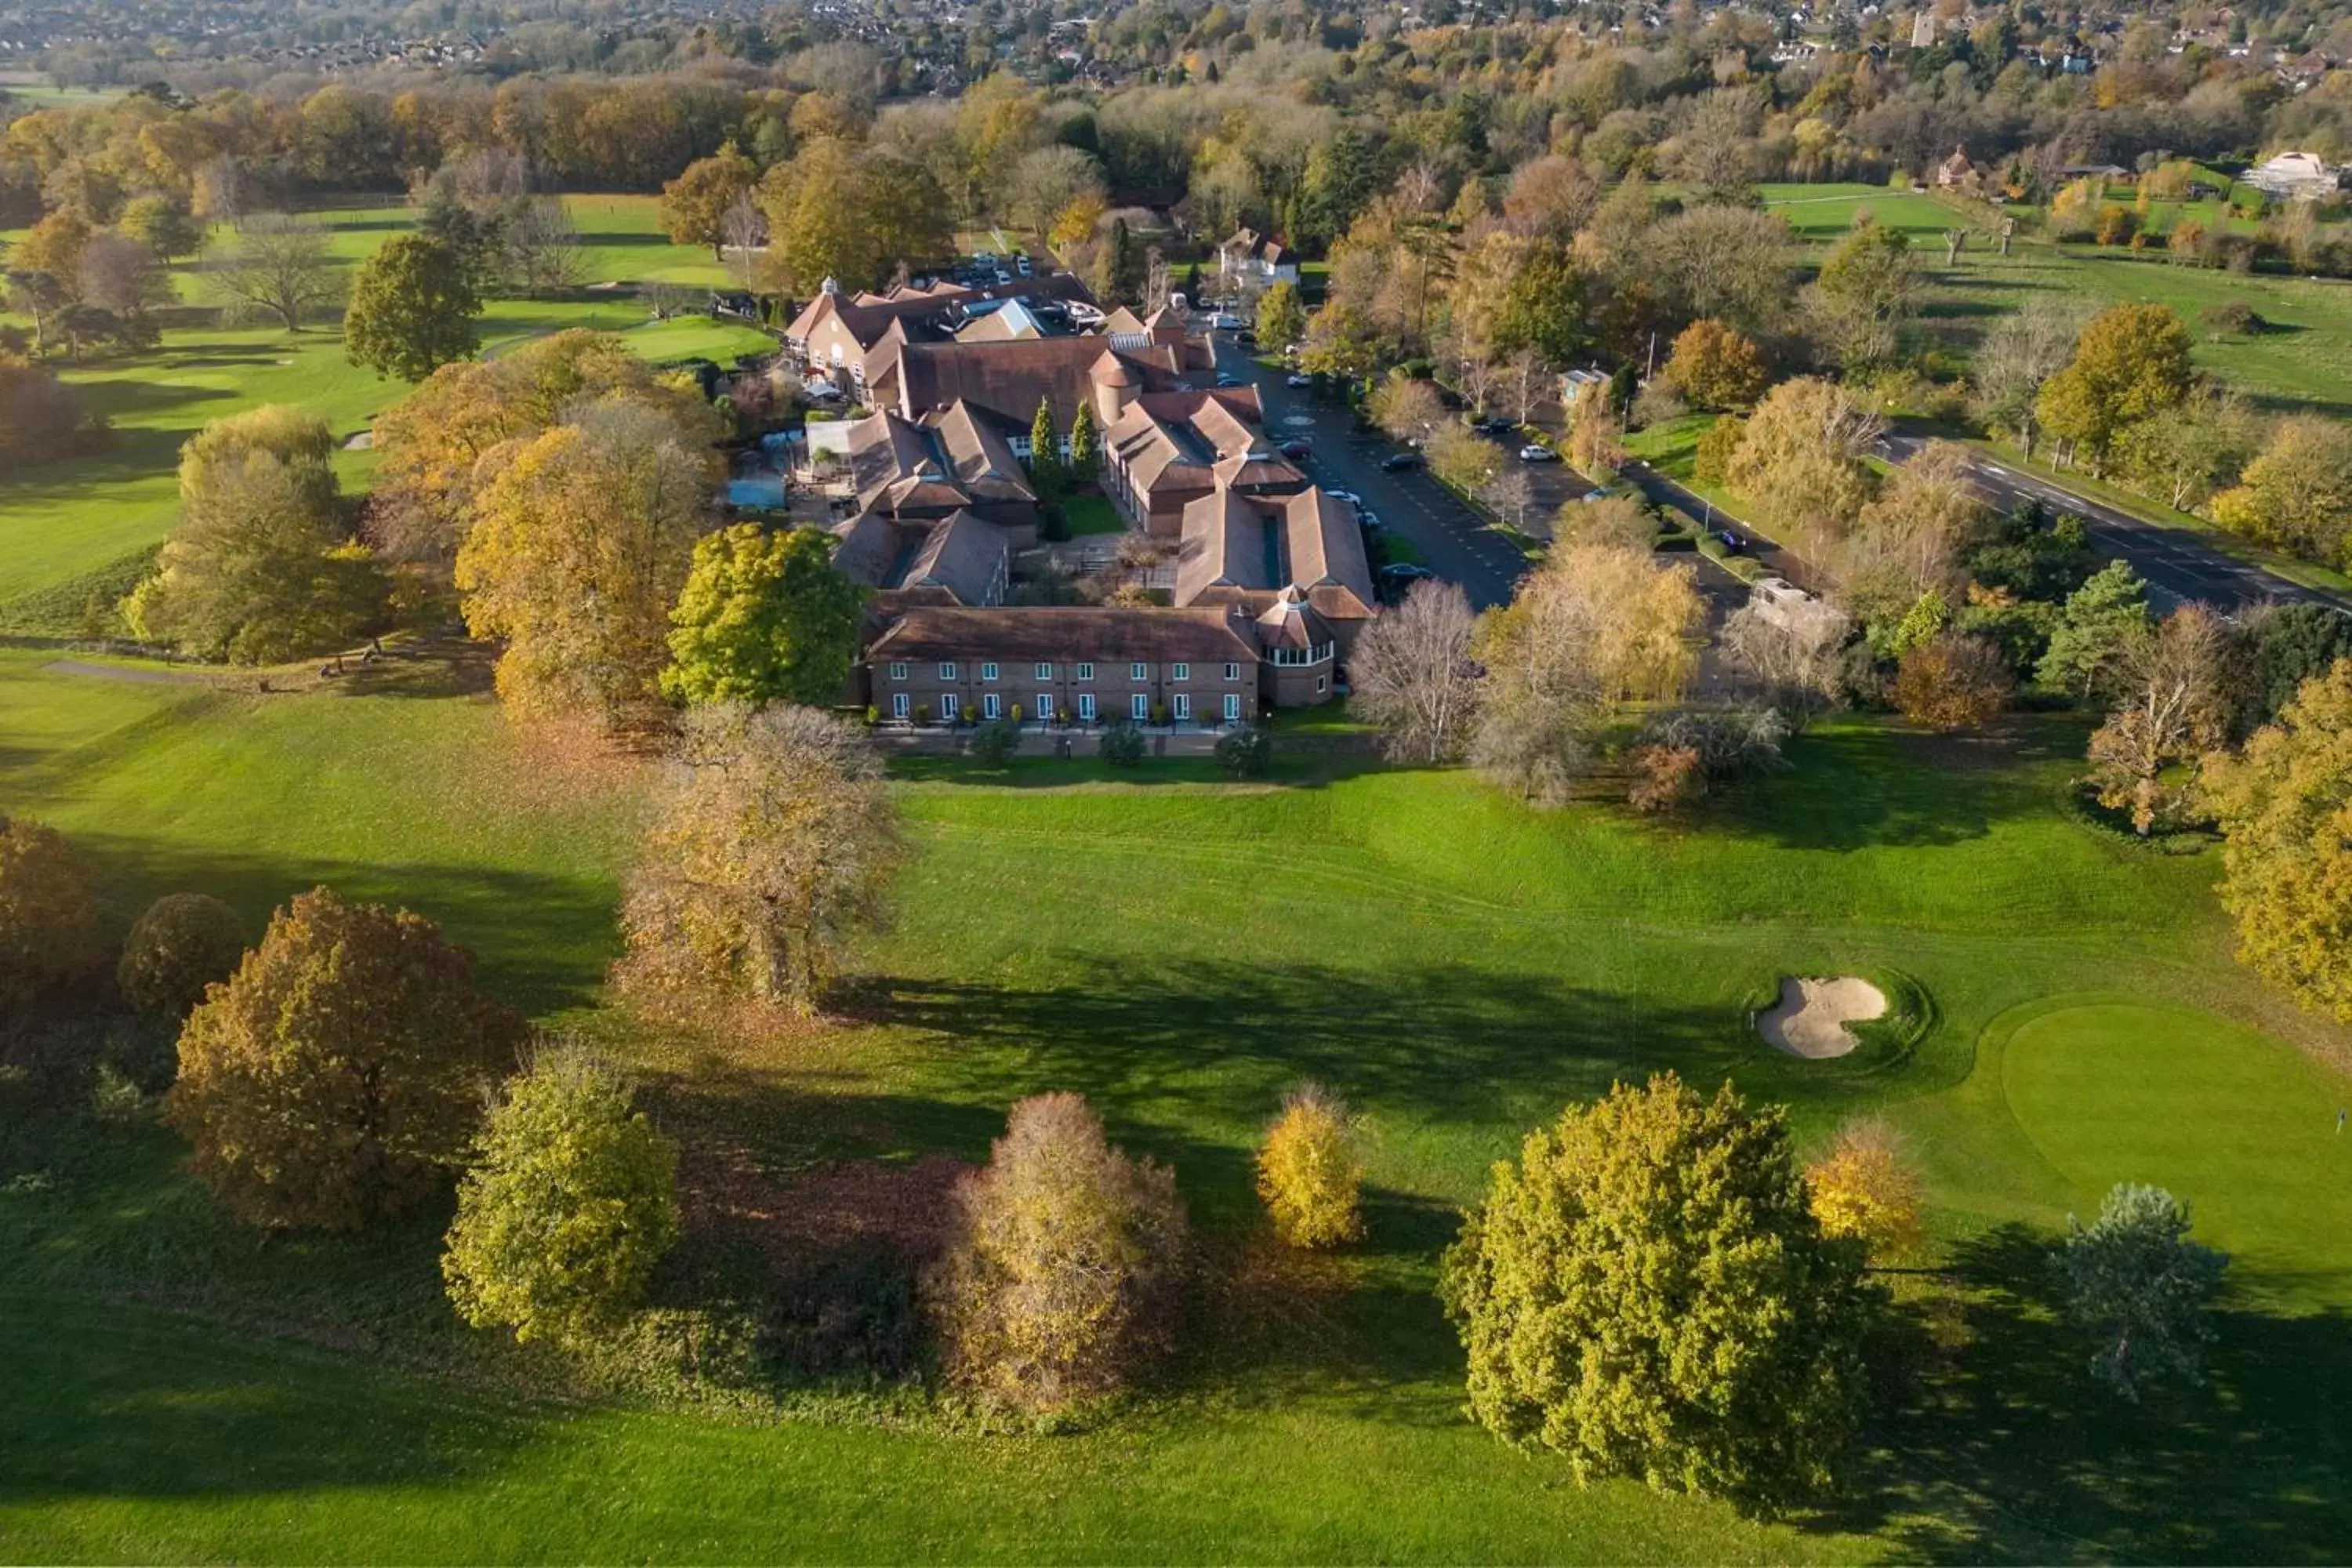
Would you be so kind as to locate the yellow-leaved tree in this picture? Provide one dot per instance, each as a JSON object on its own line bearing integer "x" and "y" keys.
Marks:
{"x": 1307, "y": 1173}
{"x": 577, "y": 551}
{"x": 1862, "y": 1187}
{"x": 2285, "y": 807}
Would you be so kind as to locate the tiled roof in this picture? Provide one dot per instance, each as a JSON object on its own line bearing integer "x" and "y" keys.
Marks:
{"x": 1073, "y": 634}
{"x": 1008, "y": 379}
{"x": 1240, "y": 549}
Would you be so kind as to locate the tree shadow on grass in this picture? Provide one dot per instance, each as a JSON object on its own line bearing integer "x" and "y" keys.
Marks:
{"x": 2006, "y": 1449}
{"x": 1445, "y": 1042}
{"x": 1859, "y": 789}
{"x": 552, "y": 961}
{"x": 130, "y": 1403}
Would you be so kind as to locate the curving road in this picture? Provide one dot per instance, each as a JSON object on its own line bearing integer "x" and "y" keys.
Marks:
{"x": 2179, "y": 566}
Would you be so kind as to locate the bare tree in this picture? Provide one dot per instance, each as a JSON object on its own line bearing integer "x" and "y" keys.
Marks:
{"x": 1414, "y": 677}
{"x": 277, "y": 266}
{"x": 667, "y": 300}
{"x": 1797, "y": 656}
{"x": 1526, "y": 378}
{"x": 542, "y": 246}
{"x": 2020, "y": 353}
{"x": 742, "y": 236}
{"x": 121, "y": 275}
{"x": 1512, "y": 495}
{"x": 222, "y": 193}
{"x": 2174, "y": 707}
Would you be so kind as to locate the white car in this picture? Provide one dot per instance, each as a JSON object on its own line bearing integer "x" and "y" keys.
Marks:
{"x": 1534, "y": 454}
{"x": 1226, "y": 321}
{"x": 820, "y": 392}
{"x": 1298, "y": 378}
{"x": 1351, "y": 497}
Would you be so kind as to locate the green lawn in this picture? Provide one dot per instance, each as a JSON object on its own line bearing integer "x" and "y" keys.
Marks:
{"x": 1180, "y": 951}
{"x": 72, "y": 529}
{"x": 2305, "y": 359}
{"x": 1092, "y": 514}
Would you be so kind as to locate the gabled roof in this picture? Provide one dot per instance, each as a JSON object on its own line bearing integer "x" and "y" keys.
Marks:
{"x": 957, "y": 559}
{"x": 1244, "y": 549}
{"x": 1008, "y": 379}
{"x": 953, "y": 457}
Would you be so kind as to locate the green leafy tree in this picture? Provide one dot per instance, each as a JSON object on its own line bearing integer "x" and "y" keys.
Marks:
{"x": 1045, "y": 451}
{"x": 1542, "y": 308}
{"x": 2291, "y": 643}
{"x": 2286, "y": 809}
{"x": 763, "y": 617}
{"x": 2131, "y": 362}
{"x": 2101, "y": 620}
{"x": 338, "y": 1075}
{"x": 1244, "y": 752}
{"x": 570, "y": 1204}
{"x": 1647, "y": 1292}
{"x": 414, "y": 309}
{"x": 2133, "y": 1278}
{"x": 178, "y": 948}
{"x": 1307, "y": 1174}
{"x": 48, "y": 920}
{"x": 1123, "y": 744}
{"x": 261, "y": 566}
{"x": 1066, "y": 1264}
{"x": 1281, "y": 317}
{"x": 1868, "y": 285}
{"x": 1085, "y": 444}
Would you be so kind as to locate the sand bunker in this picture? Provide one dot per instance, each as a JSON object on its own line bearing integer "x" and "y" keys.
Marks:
{"x": 1812, "y": 1015}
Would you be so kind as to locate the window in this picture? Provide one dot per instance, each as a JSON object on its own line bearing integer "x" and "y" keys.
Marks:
{"x": 898, "y": 705}
{"x": 1232, "y": 707}
{"x": 947, "y": 669}
{"x": 990, "y": 708}
{"x": 1180, "y": 672}
{"x": 1232, "y": 672}
{"x": 1138, "y": 707}
{"x": 987, "y": 671}
{"x": 1316, "y": 654}
{"x": 1139, "y": 672}
{"x": 1184, "y": 701}
{"x": 1086, "y": 672}
{"x": 897, "y": 671}
{"x": 1045, "y": 670}
{"x": 1045, "y": 707}
{"x": 948, "y": 706}
{"x": 1321, "y": 684}
{"x": 1086, "y": 706}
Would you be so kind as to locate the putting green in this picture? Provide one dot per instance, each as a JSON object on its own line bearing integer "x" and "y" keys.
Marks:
{"x": 2240, "y": 1125}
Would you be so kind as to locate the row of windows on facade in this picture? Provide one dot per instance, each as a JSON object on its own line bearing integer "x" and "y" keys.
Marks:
{"x": 1085, "y": 671}
{"x": 1138, "y": 707}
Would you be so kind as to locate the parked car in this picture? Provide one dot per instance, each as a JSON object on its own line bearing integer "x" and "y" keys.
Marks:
{"x": 1732, "y": 543}
{"x": 1226, "y": 321}
{"x": 1351, "y": 497}
{"x": 1402, "y": 462}
{"x": 1227, "y": 378}
{"x": 1245, "y": 338}
{"x": 1498, "y": 426}
{"x": 1022, "y": 265}
{"x": 1369, "y": 519}
{"x": 1298, "y": 378}
{"x": 1299, "y": 447}
{"x": 1533, "y": 453}
{"x": 820, "y": 392}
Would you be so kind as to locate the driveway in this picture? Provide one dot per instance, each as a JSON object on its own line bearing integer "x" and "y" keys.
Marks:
{"x": 2177, "y": 566}
{"x": 1454, "y": 542}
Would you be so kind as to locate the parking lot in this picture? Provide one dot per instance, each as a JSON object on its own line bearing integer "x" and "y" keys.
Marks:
{"x": 1453, "y": 540}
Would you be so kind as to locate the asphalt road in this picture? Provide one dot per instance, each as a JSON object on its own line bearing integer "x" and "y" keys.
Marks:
{"x": 1453, "y": 540}
{"x": 2178, "y": 566}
